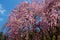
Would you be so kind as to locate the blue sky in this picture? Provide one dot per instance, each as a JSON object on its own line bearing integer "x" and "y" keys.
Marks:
{"x": 6, "y": 7}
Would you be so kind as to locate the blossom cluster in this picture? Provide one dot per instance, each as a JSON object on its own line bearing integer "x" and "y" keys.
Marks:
{"x": 33, "y": 18}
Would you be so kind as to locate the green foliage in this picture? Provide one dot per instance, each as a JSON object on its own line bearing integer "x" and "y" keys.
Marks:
{"x": 3, "y": 37}
{"x": 0, "y": 35}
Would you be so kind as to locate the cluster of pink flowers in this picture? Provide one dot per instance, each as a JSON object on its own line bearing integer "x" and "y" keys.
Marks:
{"x": 45, "y": 15}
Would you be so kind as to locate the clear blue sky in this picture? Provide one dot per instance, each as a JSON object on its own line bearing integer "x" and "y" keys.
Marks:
{"x": 6, "y": 7}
